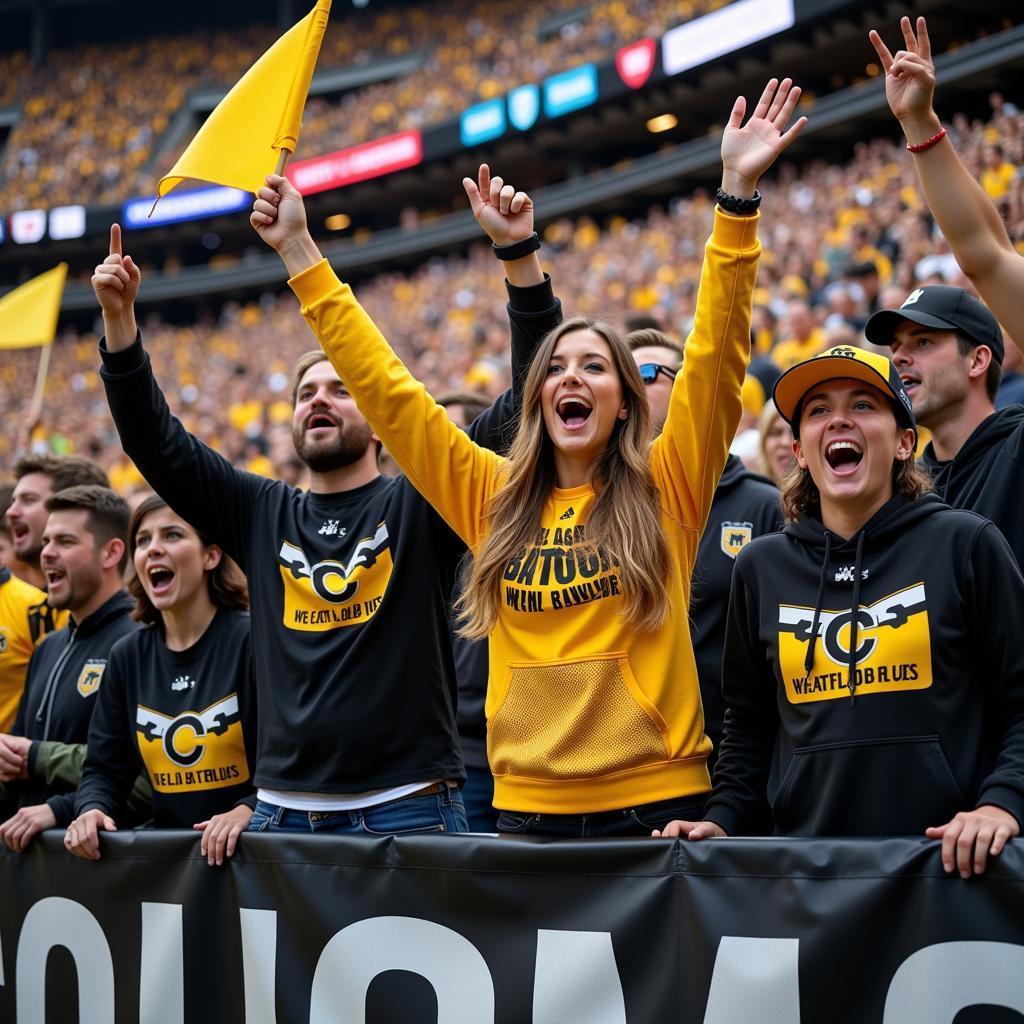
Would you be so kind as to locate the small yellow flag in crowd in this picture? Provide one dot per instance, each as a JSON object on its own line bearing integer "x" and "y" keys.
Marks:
{"x": 261, "y": 116}
{"x": 28, "y": 313}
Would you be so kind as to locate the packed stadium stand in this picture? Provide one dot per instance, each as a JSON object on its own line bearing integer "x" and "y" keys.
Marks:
{"x": 841, "y": 209}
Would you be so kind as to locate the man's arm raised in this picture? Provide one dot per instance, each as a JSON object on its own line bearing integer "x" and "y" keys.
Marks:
{"x": 198, "y": 483}
{"x": 116, "y": 284}
{"x": 965, "y": 215}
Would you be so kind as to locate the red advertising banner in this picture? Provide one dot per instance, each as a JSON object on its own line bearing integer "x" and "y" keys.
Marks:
{"x": 358, "y": 163}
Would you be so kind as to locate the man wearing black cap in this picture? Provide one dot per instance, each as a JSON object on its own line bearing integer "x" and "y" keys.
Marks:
{"x": 948, "y": 349}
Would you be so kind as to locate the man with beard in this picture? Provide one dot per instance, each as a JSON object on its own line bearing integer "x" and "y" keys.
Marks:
{"x": 83, "y": 559}
{"x": 948, "y": 349}
{"x": 349, "y": 582}
{"x": 36, "y": 478}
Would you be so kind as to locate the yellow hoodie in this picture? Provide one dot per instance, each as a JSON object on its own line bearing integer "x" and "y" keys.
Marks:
{"x": 584, "y": 713}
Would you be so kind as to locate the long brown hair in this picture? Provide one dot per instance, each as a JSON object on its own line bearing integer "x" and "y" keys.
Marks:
{"x": 625, "y": 521}
{"x": 225, "y": 582}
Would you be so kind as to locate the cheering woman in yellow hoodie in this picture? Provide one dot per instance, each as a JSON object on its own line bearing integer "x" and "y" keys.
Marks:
{"x": 584, "y": 538}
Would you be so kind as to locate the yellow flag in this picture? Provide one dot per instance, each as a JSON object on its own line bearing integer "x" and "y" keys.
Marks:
{"x": 28, "y": 314}
{"x": 240, "y": 141}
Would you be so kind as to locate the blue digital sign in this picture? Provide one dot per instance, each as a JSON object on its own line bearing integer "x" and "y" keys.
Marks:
{"x": 570, "y": 90}
{"x": 483, "y": 122}
{"x": 194, "y": 204}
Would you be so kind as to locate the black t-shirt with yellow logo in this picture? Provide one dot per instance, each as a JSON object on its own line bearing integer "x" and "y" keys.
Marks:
{"x": 188, "y": 718}
{"x": 349, "y": 592}
{"x": 935, "y": 722}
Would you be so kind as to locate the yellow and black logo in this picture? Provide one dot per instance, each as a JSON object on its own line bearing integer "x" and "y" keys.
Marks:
{"x": 91, "y": 676}
{"x": 331, "y": 594}
{"x": 194, "y": 750}
{"x": 893, "y": 653}
{"x": 735, "y": 537}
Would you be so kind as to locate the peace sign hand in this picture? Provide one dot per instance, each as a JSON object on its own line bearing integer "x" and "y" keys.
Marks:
{"x": 910, "y": 74}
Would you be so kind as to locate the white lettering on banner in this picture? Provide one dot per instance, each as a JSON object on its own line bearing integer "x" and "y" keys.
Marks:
{"x": 755, "y": 979}
{"x": 56, "y": 921}
{"x": 162, "y": 965}
{"x": 934, "y": 984}
{"x": 577, "y": 981}
{"x": 259, "y": 956}
{"x": 358, "y": 953}
{"x": 731, "y": 28}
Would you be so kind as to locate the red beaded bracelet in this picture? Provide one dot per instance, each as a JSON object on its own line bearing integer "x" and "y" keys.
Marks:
{"x": 928, "y": 143}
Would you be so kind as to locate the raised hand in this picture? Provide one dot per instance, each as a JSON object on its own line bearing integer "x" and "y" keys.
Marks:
{"x": 278, "y": 215}
{"x": 748, "y": 150}
{"x": 910, "y": 74}
{"x": 116, "y": 280}
{"x": 505, "y": 215}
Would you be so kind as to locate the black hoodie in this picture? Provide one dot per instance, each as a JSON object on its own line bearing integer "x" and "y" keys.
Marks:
{"x": 745, "y": 506}
{"x": 987, "y": 475}
{"x": 934, "y": 723}
{"x": 63, "y": 679}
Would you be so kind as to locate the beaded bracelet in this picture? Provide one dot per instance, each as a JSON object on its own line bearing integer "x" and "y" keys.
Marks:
{"x": 920, "y": 147}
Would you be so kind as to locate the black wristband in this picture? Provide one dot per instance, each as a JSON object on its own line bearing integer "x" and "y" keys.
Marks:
{"x": 736, "y": 205}
{"x": 517, "y": 250}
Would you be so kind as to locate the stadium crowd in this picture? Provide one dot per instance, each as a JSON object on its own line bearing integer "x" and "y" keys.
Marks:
{"x": 83, "y": 140}
{"x": 815, "y": 287}
{"x": 869, "y": 642}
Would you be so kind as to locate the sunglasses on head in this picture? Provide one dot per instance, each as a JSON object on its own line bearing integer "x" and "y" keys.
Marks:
{"x": 649, "y": 372}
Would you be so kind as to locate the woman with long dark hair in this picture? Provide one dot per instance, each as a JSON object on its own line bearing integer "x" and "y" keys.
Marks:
{"x": 584, "y": 537}
{"x": 872, "y": 675}
{"x": 177, "y": 701}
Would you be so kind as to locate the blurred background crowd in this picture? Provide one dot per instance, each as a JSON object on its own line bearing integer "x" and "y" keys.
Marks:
{"x": 840, "y": 241}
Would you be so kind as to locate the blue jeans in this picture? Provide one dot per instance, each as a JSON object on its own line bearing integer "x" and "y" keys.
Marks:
{"x": 478, "y": 794}
{"x": 631, "y": 821}
{"x": 412, "y": 815}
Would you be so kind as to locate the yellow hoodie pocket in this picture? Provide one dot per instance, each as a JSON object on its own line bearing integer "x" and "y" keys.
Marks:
{"x": 576, "y": 719}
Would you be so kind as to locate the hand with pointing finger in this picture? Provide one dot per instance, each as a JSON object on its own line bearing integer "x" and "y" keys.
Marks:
{"x": 116, "y": 283}
{"x": 505, "y": 214}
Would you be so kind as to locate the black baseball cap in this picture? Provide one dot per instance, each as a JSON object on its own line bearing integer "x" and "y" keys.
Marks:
{"x": 841, "y": 362}
{"x": 946, "y": 309}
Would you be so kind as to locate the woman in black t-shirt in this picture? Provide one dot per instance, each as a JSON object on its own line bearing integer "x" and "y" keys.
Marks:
{"x": 177, "y": 699}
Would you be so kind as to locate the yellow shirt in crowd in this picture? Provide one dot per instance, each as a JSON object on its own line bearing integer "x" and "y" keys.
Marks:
{"x": 584, "y": 712}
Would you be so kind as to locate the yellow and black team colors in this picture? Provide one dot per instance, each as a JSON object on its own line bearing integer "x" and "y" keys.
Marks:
{"x": 585, "y": 714}
{"x": 185, "y": 718}
{"x": 349, "y": 592}
{"x": 25, "y": 618}
{"x": 64, "y": 678}
{"x": 873, "y": 678}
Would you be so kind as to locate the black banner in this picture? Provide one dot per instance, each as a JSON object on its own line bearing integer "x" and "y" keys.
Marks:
{"x": 475, "y": 930}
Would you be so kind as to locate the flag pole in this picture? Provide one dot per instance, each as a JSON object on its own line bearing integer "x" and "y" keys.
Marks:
{"x": 282, "y": 160}
{"x": 44, "y": 366}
